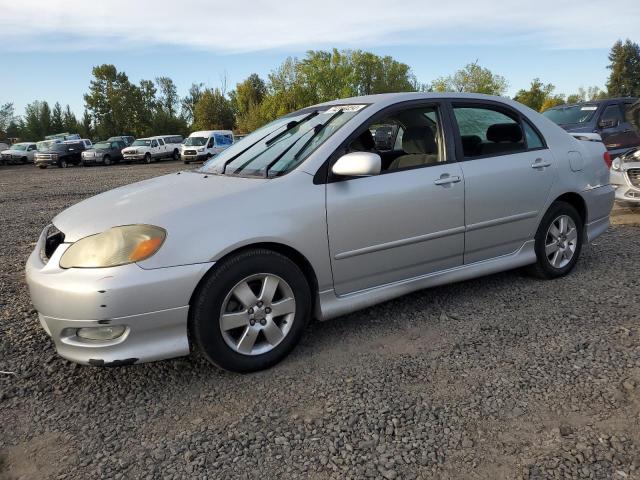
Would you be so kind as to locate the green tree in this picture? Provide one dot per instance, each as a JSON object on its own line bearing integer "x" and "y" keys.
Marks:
{"x": 69, "y": 121}
{"x": 168, "y": 99}
{"x": 6, "y": 117}
{"x": 213, "y": 111}
{"x": 624, "y": 79}
{"x": 114, "y": 102}
{"x": 473, "y": 79}
{"x": 536, "y": 96}
{"x": 246, "y": 101}
{"x": 56, "y": 118}
{"x": 190, "y": 100}
{"x": 85, "y": 126}
{"x": 552, "y": 101}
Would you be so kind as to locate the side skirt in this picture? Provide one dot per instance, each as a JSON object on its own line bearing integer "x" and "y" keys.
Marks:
{"x": 332, "y": 305}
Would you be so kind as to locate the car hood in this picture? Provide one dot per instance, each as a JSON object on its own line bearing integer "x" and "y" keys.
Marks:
{"x": 171, "y": 202}
{"x": 577, "y": 127}
{"x": 12, "y": 151}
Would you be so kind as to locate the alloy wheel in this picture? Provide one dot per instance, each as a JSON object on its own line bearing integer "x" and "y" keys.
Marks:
{"x": 257, "y": 314}
{"x": 561, "y": 241}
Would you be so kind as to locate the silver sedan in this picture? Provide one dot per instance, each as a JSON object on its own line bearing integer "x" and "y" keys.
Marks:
{"x": 327, "y": 210}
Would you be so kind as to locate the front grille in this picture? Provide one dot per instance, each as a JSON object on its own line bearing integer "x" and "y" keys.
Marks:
{"x": 53, "y": 239}
{"x": 190, "y": 152}
{"x": 634, "y": 176}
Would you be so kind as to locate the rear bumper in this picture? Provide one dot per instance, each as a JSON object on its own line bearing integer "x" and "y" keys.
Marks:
{"x": 599, "y": 203}
{"x": 152, "y": 306}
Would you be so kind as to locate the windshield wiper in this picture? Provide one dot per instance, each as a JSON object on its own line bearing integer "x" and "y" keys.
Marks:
{"x": 316, "y": 130}
{"x": 292, "y": 124}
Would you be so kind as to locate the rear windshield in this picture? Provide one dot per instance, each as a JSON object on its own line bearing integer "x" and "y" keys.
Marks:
{"x": 571, "y": 114}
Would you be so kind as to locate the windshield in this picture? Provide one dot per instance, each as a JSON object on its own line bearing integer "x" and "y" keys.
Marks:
{"x": 102, "y": 145}
{"x": 141, "y": 143}
{"x": 19, "y": 146}
{"x": 195, "y": 141}
{"x": 282, "y": 145}
{"x": 571, "y": 114}
{"x": 46, "y": 145}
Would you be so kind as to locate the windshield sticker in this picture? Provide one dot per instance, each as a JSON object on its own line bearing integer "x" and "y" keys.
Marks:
{"x": 345, "y": 108}
{"x": 588, "y": 108}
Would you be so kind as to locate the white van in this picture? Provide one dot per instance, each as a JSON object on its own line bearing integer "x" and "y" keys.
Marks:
{"x": 201, "y": 146}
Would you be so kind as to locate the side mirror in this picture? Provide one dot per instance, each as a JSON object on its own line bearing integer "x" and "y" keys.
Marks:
{"x": 608, "y": 123}
{"x": 358, "y": 164}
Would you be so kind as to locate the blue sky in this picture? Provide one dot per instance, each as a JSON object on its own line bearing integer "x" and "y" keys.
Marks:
{"x": 564, "y": 43}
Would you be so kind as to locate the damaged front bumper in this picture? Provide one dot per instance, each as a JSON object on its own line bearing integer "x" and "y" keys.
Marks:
{"x": 146, "y": 311}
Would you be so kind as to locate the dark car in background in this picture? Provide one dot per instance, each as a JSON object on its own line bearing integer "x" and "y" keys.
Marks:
{"x": 126, "y": 139}
{"x": 106, "y": 153}
{"x": 608, "y": 118}
{"x": 60, "y": 154}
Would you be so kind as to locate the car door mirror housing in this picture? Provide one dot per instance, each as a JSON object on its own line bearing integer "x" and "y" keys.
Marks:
{"x": 608, "y": 123}
{"x": 358, "y": 164}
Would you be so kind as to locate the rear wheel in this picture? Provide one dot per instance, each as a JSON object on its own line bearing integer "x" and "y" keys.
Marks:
{"x": 558, "y": 241}
{"x": 251, "y": 311}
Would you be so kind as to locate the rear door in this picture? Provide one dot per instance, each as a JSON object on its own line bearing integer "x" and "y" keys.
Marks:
{"x": 405, "y": 222}
{"x": 508, "y": 171}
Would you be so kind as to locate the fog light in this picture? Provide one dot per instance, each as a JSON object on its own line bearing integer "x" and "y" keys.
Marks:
{"x": 101, "y": 333}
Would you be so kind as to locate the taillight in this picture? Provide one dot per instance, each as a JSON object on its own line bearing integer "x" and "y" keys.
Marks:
{"x": 607, "y": 159}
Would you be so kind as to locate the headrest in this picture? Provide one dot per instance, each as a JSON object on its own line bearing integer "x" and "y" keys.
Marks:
{"x": 364, "y": 142}
{"x": 419, "y": 140}
{"x": 504, "y": 132}
{"x": 470, "y": 142}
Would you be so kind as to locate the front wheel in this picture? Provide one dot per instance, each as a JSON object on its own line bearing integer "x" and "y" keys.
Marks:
{"x": 63, "y": 164}
{"x": 106, "y": 160}
{"x": 251, "y": 311}
{"x": 147, "y": 158}
{"x": 558, "y": 241}
{"x": 176, "y": 155}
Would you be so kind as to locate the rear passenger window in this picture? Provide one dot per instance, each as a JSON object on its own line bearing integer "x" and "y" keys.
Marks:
{"x": 612, "y": 113}
{"x": 485, "y": 131}
{"x": 533, "y": 139}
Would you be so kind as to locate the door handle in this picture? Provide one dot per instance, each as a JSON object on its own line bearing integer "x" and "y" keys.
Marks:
{"x": 446, "y": 179}
{"x": 539, "y": 163}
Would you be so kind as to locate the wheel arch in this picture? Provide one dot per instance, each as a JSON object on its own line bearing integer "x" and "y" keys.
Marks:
{"x": 291, "y": 253}
{"x": 576, "y": 201}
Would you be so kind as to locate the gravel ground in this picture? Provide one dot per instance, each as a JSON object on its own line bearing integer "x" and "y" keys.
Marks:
{"x": 500, "y": 377}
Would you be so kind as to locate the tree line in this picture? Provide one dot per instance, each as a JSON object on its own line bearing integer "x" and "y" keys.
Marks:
{"x": 116, "y": 106}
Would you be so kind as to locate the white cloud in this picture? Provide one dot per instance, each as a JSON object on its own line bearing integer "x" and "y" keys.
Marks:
{"x": 245, "y": 26}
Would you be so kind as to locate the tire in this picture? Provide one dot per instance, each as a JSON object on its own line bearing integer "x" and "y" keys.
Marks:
{"x": 186, "y": 162}
{"x": 106, "y": 160}
{"x": 553, "y": 250}
{"x": 147, "y": 157}
{"x": 42, "y": 167}
{"x": 24, "y": 160}
{"x": 63, "y": 164}
{"x": 176, "y": 155}
{"x": 217, "y": 295}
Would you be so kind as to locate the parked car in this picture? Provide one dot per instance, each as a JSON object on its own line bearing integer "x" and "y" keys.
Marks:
{"x": 605, "y": 117}
{"x": 18, "y": 153}
{"x": 203, "y": 145}
{"x": 305, "y": 218}
{"x": 625, "y": 177}
{"x": 61, "y": 154}
{"x": 4, "y": 146}
{"x": 153, "y": 148}
{"x": 106, "y": 152}
{"x": 126, "y": 139}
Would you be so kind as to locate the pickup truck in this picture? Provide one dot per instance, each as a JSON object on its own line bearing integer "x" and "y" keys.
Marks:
{"x": 153, "y": 148}
{"x": 18, "y": 153}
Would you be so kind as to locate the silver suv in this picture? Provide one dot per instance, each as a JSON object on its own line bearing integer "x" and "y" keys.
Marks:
{"x": 309, "y": 217}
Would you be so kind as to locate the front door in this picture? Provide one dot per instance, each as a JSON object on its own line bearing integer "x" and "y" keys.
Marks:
{"x": 406, "y": 222}
{"x": 508, "y": 173}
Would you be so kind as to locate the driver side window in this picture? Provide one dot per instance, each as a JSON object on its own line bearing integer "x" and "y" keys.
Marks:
{"x": 409, "y": 138}
{"x": 154, "y": 144}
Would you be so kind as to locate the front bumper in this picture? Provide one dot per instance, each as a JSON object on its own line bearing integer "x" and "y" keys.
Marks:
{"x": 200, "y": 157}
{"x": 93, "y": 160}
{"x": 133, "y": 157}
{"x": 626, "y": 192}
{"x": 152, "y": 305}
{"x": 46, "y": 161}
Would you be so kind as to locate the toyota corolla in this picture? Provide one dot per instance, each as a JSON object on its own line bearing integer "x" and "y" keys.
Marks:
{"x": 314, "y": 216}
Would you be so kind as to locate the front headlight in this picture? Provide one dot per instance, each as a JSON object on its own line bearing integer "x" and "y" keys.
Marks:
{"x": 116, "y": 246}
{"x": 201, "y": 149}
{"x": 616, "y": 164}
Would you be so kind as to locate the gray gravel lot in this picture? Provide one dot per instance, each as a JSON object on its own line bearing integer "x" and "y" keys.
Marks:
{"x": 500, "y": 377}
